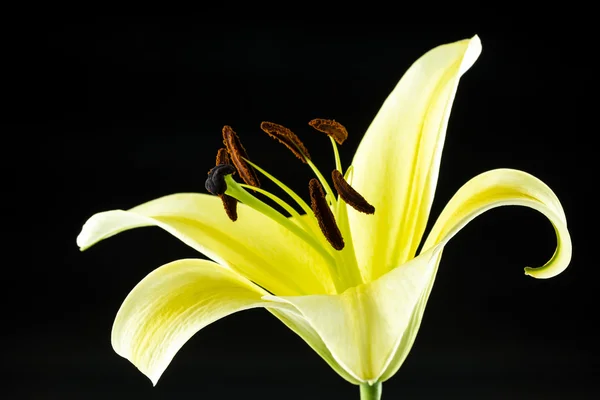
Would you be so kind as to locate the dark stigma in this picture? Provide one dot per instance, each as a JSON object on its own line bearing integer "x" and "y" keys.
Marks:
{"x": 215, "y": 183}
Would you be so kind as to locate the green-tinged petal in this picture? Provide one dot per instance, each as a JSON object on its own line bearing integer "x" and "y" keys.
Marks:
{"x": 370, "y": 329}
{"x": 396, "y": 165}
{"x": 407, "y": 339}
{"x": 302, "y": 328}
{"x": 501, "y": 187}
{"x": 254, "y": 245}
{"x": 173, "y": 303}
{"x": 362, "y": 326}
{"x": 178, "y": 299}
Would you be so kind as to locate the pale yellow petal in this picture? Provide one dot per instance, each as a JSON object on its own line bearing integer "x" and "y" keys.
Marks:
{"x": 173, "y": 303}
{"x": 501, "y": 187}
{"x": 254, "y": 245}
{"x": 371, "y": 328}
{"x": 396, "y": 165}
{"x": 363, "y": 326}
{"x": 405, "y": 341}
{"x": 302, "y": 328}
{"x": 177, "y": 300}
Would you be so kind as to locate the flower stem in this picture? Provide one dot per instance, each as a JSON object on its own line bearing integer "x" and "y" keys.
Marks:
{"x": 370, "y": 392}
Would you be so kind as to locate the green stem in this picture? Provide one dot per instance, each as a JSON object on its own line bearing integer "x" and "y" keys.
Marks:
{"x": 370, "y": 392}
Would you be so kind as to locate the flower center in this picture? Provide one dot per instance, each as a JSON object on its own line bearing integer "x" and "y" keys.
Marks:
{"x": 325, "y": 226}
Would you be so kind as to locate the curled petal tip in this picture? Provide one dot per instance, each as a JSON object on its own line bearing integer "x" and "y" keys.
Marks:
{"x": 471, "y": 55}
{"x": 82, "y": 239}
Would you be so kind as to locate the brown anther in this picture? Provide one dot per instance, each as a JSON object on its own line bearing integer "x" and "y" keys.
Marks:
{"x": 237, "y": 154}
{"x": 222, "y": 157}
{"x": 229, "y": 203}
{"x": 349, "y": 195}
{"x": 230, "y": 206}
{"x": 287, "y": 138}
{"x": 324, "y": 216}
{"x": 331, "y": 128}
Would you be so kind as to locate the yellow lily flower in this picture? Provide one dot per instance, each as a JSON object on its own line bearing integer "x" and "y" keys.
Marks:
{"x": 352, "y": 286}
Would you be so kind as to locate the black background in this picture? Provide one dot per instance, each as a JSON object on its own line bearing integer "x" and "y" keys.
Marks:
{"x": 110, "y": 112}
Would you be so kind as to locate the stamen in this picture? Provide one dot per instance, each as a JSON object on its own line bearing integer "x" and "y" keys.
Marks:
{"x": 230, "y": 206}
{"x": 349, "y": 195}
{"x": 222, "y": 157}
{"x": 296, "y": 217}
{"x": 229, "y": 203}
{"x": 287, "y": 138}
{"x": 331, "y": 128}
{"x": 283, "y": 187}
{"x": 324, "y": 215}
{"x": 238, "y": 153}
{"x": 336, "y": 155}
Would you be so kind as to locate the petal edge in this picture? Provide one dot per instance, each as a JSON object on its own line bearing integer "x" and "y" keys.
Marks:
{"x": 397, "y": 163}
{"x": 491, "y": 189}
{"x": 254, "y": 245}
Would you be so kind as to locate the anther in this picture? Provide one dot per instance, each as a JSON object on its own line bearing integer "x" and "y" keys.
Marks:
{"x": 237, "y": 154}
{"x": 287, "y": 138}
{"x": 331, "y": 128}
{"x": 230, "y": 206}
{"x": 222, "y": 157}
{"x": 324, "y": 216}
{"x": 349, "y": 195}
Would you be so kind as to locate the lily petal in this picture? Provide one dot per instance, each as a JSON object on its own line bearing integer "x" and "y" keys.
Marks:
{"x": 177, "y": 300}
{"x": 171, "y": 304}
{"x": 371, "y": 328}
{"x": 495, "y": 188}
{"x": 302, "y": 328}
{"x": 396, "y": 165}
{"x": 502, "y": 187}
{"x": 254, "y": 245}
{"x": 363, "y": 326}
